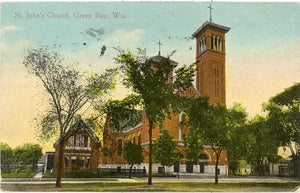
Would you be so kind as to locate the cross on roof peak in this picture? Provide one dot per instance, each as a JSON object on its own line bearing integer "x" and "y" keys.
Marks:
{"x": 210, "y": 12}
{"x": 159, "y": 44}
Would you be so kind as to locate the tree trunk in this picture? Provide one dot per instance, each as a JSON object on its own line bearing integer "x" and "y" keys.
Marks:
{"x": 150, "y": 153}
{"x": 60, "y": 163}
{"x": 216, "y": 170}
{"x": 130, "y": 170}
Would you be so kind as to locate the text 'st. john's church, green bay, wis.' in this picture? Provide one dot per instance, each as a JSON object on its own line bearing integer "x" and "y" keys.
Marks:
{"x": 84, "y": 149}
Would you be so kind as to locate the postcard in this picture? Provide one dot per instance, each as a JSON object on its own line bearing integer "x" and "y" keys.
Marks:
{"x": 66, "y": 65}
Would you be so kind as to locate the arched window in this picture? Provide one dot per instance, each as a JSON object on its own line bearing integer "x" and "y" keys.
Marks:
{"x": 201, "y": 79}
{"x": 203, "y": 156}
{"x": 80, "y": 140}
{"x": 202, "y": 45}
{"x": 199, "y": 46}
{"x": 71, "y": 142}
{"x": 216, "y": 43}
{"x": 216, "y": 82}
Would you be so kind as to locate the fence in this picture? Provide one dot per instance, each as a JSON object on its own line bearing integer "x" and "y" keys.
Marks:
{"x": 120, "y": 170}
{"x": 9, "y": 167}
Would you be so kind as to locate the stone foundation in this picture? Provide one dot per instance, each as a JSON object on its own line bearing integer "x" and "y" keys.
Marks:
{"x": 208, "y": 169}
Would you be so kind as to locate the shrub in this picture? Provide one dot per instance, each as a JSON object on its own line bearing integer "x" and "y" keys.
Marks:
{"x": 19, "y": 173}
{"x": 86, "y": 174}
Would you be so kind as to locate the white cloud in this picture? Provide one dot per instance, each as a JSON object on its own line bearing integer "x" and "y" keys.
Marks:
{"x": 129, "y": 36}
{"x": 126, "y": 39}
{"x": 9, "y": 28}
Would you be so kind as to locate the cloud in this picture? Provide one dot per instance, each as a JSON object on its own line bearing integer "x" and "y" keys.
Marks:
{"x": 9, "y": 28}
{"x": 93, "y": 57}
{"x": 126, "y": 39}
{"x": 127, "y": 36}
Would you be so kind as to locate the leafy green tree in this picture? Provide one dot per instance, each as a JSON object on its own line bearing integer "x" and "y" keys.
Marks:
{"x": 165, "y": 149}
{"x": 238, "y": 137}
{"x": 133, "y": 153}
{"x": 213, "y": 125}
{"x": 68, "y": 91}
{"x": 261, "y": 143}
{"x": 27, "y": 153}
{"x": 284, "y": 118}
{"x": 149, "y": 81}
{"x": 6, "y": 154}
{"x": 193, "y": 147}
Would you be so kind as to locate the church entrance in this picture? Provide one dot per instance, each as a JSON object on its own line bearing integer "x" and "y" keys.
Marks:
{"x": 201, "y": 167}
{"x": 176, "y": 167}
{"x": 202, "y": 159}
{"x": 189, "y": 167}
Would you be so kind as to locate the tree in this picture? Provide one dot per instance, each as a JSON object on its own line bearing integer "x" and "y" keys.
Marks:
{"x": 213, "y": 125}
{"x": 6, "y": 154}
{"x": 284, "y": 118}
{"x": 28, "y": 153}
{"x": 165, "y": 149}
{"x": 67, "y": 89}
{"x": 238, "y": 138}
{"x": 133, "y": 154}
{"x": 148, "y": 79}
{"x": 261, "y": 143}
{"x": 193, "y": 147}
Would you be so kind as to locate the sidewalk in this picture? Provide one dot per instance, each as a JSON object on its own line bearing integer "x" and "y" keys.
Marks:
{"x": 182, "y": 177}
{"x": 37, "y": 180}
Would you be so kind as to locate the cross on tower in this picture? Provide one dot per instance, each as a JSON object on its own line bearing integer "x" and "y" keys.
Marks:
{"x": 210, "y": 8}
{"x": 159, "y": 44}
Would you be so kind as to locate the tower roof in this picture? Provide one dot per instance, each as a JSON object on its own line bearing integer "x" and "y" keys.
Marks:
{"x": 159, "y": 58}
{"x": 210, "y": 25}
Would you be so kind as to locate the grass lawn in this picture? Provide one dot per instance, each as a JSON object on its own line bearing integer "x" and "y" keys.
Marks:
{"x": 178, "y": 186}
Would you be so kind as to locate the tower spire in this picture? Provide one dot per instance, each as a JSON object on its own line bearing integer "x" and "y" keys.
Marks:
{"x": 159, "y": 44}
{"x": 210, "y": 12}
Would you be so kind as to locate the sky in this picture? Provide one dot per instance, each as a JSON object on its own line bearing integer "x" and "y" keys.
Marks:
{"x": 262, "y": 47}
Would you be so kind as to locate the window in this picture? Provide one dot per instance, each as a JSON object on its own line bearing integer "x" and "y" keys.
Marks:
{"x": 201, "y": 79}
{"x": 87, "y": 141}
{"x": 88, "y": 162}
{"x": 216, "y": 43}
{"x": 66, "y": 162}
{"x": 81, "y": 162}
{"x": 120, "y": 147}
{"x": 74, "y": 160}
{"x": 202, "y": 45}
{"x": 139, "y": 139}
{"x": 216, "y": 82}
{"x": 80, "y": 140}
{"x": 71, "y": 142}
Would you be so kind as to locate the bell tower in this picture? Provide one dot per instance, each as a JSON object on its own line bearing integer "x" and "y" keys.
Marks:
{"x": 210, "y": 61}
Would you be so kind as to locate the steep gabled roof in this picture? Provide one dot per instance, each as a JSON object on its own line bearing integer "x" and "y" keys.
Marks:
{"x": 76, "y": 127}
{"x": 133, "y": 121}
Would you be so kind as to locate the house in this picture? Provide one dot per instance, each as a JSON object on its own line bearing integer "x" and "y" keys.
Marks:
{"x": 81, "y": 148}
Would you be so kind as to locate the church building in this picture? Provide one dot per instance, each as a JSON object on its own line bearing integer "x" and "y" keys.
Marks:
{"x": 210, "y": 82}
{"x": 83, "y": 149}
